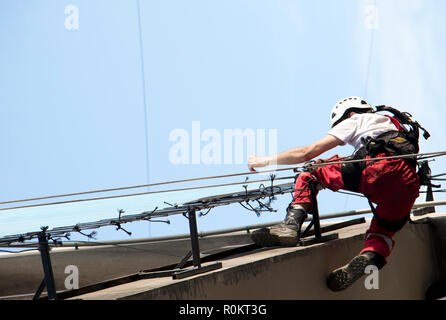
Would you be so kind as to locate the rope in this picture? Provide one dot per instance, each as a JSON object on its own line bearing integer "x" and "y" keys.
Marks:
{"x": 305, "y": 166}
{"x": 420, "y": 156}
{"x": 142, "y": 186}
{"x": 370, "y": 55}
{"x": 138, "y": 194}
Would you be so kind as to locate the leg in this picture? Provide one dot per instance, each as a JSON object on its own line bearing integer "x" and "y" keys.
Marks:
{"x": 345, "y": 276}
{"x": 329, "y": 177}
{"x": 377, "y": 247}
{"x": 393, "y": 186}
{"x": 287, "y": 233}
{"x": 379, "y": 239}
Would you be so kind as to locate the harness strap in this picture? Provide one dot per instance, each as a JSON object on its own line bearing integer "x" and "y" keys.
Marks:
{"x": 392, "y": 142}
{"x": 396, "y": 142}
{"x": 392, "y": 226}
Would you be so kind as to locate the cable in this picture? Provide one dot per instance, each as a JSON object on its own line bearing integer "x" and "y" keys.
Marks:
{"x": 421, "y": 156}
{"x": 96, "y": 243}
{"x": 26, "y": 250}
{"x": 141, "y": 186}
{"x": 370, "y": 53}
{"x": 434, "y": 191}
{"x": 351, "y": 194}
{"x": 143, "y": 84}
{"x": 294, "y": 168}
{"x": 236, "y": 197}
{"x": 126, "y": 247}
{"x": 139, "y": 194}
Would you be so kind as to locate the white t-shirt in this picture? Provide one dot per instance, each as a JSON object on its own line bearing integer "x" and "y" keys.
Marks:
{"x": 361, "y": 125}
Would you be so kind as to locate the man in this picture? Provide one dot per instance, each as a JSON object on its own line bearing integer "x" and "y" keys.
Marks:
{"x": 393, "y": 185}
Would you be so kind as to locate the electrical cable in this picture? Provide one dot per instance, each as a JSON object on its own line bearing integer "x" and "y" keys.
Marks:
{"x": 294, "y": 168}
{"x": 139, "y": 194}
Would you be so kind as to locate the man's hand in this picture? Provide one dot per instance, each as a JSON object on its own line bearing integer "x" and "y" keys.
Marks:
{"x": 257, "y": 162}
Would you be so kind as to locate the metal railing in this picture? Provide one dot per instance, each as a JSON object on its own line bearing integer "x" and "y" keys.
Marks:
{"x": 204, "y": 234}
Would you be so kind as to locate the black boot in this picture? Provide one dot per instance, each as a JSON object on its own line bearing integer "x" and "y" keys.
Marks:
{"x": 286, "y": 233}
{"x": 345, "y": 276}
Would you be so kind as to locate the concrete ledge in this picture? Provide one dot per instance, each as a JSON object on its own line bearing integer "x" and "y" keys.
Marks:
{"x": 300, "y": 273}
{"x": 418, "y": 260}
{"x": 21, "y": 273}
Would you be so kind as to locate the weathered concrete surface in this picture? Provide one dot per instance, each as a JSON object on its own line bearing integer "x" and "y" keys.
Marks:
{"x": 22, "y": 273}
{"x": 299, "y": 273}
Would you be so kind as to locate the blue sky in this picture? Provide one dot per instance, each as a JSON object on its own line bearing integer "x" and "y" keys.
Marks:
{"x": 73, "y": 116}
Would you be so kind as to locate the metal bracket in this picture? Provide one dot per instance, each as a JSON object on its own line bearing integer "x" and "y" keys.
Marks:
{"x": 48, "y": 280}
{"x": 425, "y": 174}
{"x": 316, "y": 224}
{"x": 178, "y": 272}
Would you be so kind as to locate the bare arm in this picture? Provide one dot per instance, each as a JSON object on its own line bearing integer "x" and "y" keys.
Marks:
{"x": 296, "y": 155}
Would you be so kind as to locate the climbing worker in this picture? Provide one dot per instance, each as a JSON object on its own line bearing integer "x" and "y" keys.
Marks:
{"x": 391, "y": 184}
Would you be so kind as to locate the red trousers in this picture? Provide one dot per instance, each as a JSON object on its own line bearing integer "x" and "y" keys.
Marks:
{"x": 393, "y": 185}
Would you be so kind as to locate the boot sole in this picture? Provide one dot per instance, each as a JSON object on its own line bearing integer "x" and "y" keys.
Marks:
{"x": 345, "y": 276}
{"x": 265, "y": 238}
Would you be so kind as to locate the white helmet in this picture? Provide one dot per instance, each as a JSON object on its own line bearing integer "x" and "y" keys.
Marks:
{"x": 341, "y": 109}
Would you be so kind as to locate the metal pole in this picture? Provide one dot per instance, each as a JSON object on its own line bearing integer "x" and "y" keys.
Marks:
{"x": 194, "y": 238}
{"x": 430, "y": 197}
{"x": 316, "y": 221}
{"x": 47, "y": 268}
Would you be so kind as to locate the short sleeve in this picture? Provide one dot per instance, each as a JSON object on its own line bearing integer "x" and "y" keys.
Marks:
{"x": 345, "y": 130}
